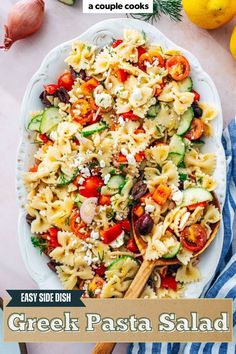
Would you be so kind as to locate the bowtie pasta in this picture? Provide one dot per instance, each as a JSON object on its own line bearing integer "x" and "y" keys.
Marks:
{"x": 118, "y": 148}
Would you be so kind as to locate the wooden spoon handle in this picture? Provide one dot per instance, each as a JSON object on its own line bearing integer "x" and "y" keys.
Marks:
{"x": 103, "y": 348}
{"x": 140, "y": 280}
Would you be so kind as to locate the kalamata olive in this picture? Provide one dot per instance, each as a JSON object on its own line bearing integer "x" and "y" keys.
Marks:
{"x": 144, "y": 224}
{"x": 29, "y": 219}
{"x": 62, "y": 94}
{"x": 197, "y": 110}
{"x": 139, "y": 189}
{"x": 44, "y": 100}
{"x": 53, "y": 264}
{"x": 172, "y": 269}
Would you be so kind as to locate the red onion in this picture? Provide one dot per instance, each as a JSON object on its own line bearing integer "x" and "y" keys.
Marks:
{"x": 87, "y": 210}
{"x": 24, "y": 19}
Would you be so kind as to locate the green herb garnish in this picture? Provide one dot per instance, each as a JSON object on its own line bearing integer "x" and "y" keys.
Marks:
{"x": 39, "y": 243}
{"x": 183, "y": 176}
{"x": 63, "y": 180}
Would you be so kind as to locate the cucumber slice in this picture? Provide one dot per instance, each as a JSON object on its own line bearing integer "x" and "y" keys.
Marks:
{"x": 93, "y": 128}
{"x": 35, "y": 123}
{"x": 186, "y": 85}
{"x": 153, "y": 111}
{"x": 116, "y": 182}
{"x": 195, "y": 195}
{"x": 173, "y": 251}
{"x": 117, "y": 263}
{"x": 50, "y": 119}
{"x": 177, "y": 149}
{"x": 63, "y": 180}
{"x": 185, "y": 121}
{"x": 68, "y": 2}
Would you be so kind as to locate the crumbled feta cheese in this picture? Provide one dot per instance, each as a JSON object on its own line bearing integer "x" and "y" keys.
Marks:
{"x": 81, "y": 181}
{"x": 94, "y": 235}
{"x": 53, "y": 135}
{"x": 124, "y": 151}
{"x": 102, "y": 163}
{"x": 131, "y": 159}
{"x": 119, "y": 241}
{"x": 147, "y": 64}
{"x": 103, "y": 100}
{"x": 109, "y": 85}
{"x": 106, "y": 178}
{"x": 43, "y": 212}
{"x": 137, "y": 94}
{"x": 121, "y": 121}
{"x": 177, "y": 197}
{"x": 85, "y": 171}
{"x": 149, "y": 208}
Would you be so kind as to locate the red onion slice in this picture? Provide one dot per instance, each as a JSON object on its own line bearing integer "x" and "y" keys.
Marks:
{"x": 87, "y": 210}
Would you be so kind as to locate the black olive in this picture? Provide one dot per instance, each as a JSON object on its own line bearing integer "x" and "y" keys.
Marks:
{"x": 44, "y": 100}
{"x": 29, "y": 219}
{"x": 144, "y": 224}
{"x": 197, "y": 110}
{"x": 62, "y": 94}
{"x": 139, "y": 189}
{"x": 172, "y": 269}
{"x": 53, "y": 264}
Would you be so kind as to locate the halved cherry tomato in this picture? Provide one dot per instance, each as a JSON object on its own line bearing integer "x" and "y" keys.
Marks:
{"x": 196, "y": 129}
{"x": 104, "y": 199}
{"x": 90, "y": 186}
{"x": 111, "y": 234}
{"x": 93, "y": 105}
{"x": 141, "y": 50}
{"x": 88, "y": 87}
{"x": 33, "y": 168}
{"x": 122, "y": 75}
{"x": 116, "y": 43}
{"x": 194, "y": 237}
{"x": 150, "y": 57}
{"x": 66, "y": 81}
{"x": 84, "y": 120}
{"x": 161, "y": 194}
{"x": 178, "y": 67}
{"x": 51, "y": 237}
{"x": 44, "y": 138}
{"x": 84, "y": 109}
{"x": 130, "y": 116}
{"x": 53, "y": 231}
{"x": 139, "y": 131}
{"x": 100, "y": 270}
{"x": 144, "y": 197}
{"x": 194, "y": 206}
{"x": 121, "y": 158}
{"x": 140, "y": 156}
{"x": 138, "y": 210}
{"x": 196, "y": 95}
{"x": 169, "y": 282}
{"x": 51, "y": 88}
{"x": 125, "y": 224}
{"x": 76, "y": 226}
{"x": 131, "y": 245}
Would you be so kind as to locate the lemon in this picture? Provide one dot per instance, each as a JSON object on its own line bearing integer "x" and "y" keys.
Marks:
{"x": 210, "y": 14}
{"x": 233, "y": 43}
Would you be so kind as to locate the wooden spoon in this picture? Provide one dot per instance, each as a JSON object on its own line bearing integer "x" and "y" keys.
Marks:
{"x": 144, "y": 272}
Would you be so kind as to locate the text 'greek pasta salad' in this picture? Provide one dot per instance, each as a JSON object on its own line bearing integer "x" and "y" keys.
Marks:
{"x": 119, "y": 141}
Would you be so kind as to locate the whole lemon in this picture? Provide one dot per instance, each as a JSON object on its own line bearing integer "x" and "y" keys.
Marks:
{"x": 233, "y": 43}
{"x": 210, "y": 14}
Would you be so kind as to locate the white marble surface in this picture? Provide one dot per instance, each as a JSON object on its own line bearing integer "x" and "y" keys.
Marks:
{"x": 17, "y": 66}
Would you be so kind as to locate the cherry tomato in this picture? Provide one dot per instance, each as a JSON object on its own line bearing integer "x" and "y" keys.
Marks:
{"x": 111, "y": 234}
{"x": 150, "y": 57}
{"x": 82, "y": 107}
{"x": 125, "y": 224}
{"x": 122, "y": 75}
{"x": 51, "y": 237}
{"x": 194, "y": 237}
{"x": 140, "y": 156}
{"x": 131, "y": 246}
{"x": 121, "y": 158}
{"x": 130, "y": 116}
{"x": 100, "y": 270}
{"x": 194, "y": 206}
{"x": 33, "y": 168}
{"x": 76, "y": 225}
{"x": 139, "y": 131}
{"x": 178, "y": 67}
{"x": 104, "y": 199}
{"x": 66, "y": 81}
{"x": 51, "y": 88}
{"x": 116, "y": 43}
{"x": 141, "y": 50}
{"x": 88, "y": 87}
{"x": 196, "y": 95}
{"x": 44, "y": 138}
{"x": 196, "y": 129}
{"x": 169, "y": 282}
{"x": 90, "y": 186}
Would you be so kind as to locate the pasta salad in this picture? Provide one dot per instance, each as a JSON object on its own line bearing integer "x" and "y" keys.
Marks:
{"x": 119, "y": 141}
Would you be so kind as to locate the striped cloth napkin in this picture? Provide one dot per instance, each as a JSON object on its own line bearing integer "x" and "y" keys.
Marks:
{"x": 224, "y": 283}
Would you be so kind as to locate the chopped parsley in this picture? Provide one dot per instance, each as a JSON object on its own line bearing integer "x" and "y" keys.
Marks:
{"x": 183, "y": 176}
{"x": 39, "y": 243}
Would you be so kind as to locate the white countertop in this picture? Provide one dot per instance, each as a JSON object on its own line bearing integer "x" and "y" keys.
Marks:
{"x": 18, "y": 65}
